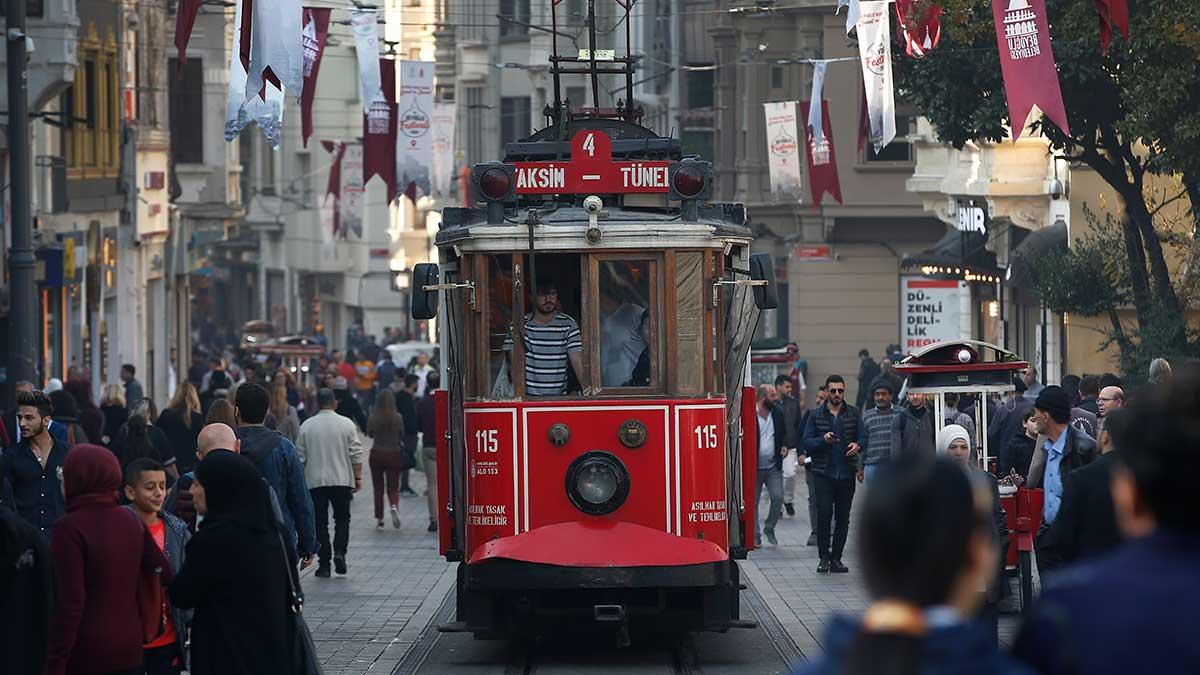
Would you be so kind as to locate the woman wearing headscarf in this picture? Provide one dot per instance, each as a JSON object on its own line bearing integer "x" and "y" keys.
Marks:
{"x": 102, "y": 553}
{"x": 926, "y": 547}
{"x": 234, "y": 576}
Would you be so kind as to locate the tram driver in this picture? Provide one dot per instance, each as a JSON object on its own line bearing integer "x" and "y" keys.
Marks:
{"x": 552, "y": 342}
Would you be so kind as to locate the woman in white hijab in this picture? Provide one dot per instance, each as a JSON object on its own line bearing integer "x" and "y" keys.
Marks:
{"x": 954, "y": 441}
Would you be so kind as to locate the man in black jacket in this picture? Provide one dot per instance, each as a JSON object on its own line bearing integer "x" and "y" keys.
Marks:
{"x": 868, "y": 370}
{"x": 772, "y": 435}
{"x": 1059, "y": 451}
{"x": 831, "y": 440}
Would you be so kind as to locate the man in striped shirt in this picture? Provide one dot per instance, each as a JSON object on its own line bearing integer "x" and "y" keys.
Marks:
{"x": 552, "y": 341}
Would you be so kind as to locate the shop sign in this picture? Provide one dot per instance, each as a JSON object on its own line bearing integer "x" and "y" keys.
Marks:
{"x": 809, "y": 253}
{"x": 930, "y": 311}
{"x": 972, "y": 217}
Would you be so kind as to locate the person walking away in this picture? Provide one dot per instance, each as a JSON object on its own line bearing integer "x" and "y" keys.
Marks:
{"x": 770, "y": 458}
{"x": 876, "y": 449}
{"x": 112, "y": 405}
{"x": 221, "y": 412}
{"x": 868, "y": 372}
{"x": 1132, "y": 610}
{"x": 831, "y": 440}
{"x": 90, "y": 417}
{"x": 386, "y": 428}
{"x": 1008, "y": 424}
{"x": 347, "y": 405}
{"x": 406, "y": 405}
{"x": 276, "y": 459}
{"x": 145, "y": 486}
{"x": 912, "y": 430}
{"x": 30, "y": 479}
{"x": 66, "y": 427}
{"x": 927, "y": 546}
{"x": 954, "y": 442}
{"x": 822, "y": 396}
{"x": 133, "y": 388}
{"x": 332, "y": 455}
{"x": 181, "y": 423}
{"x": 102, "y": 555}
{"x": 282, "y": 416}
{"x": 26, "y": 595}
{"x": 1160, "y": 372}
{"x": 234, "y": 576}
{"x": 789, "y": 405}
{"x": 1089, "y": 394}
{"x": 1058, "y": 452}
{"x": 364, "y": 381}
{"x": 427, "y": 417}
{"x": 385, "y": 371}
{"x": 1111, "y": 398}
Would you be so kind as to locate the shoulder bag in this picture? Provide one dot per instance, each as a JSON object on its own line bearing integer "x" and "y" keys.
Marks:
{"x": 304, "y": 652}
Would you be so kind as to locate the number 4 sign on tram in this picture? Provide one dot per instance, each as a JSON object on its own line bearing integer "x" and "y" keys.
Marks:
{"x": 591, "y": 171}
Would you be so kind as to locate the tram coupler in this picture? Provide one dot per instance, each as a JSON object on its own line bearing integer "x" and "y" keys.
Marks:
{"x": 614, "y": 614}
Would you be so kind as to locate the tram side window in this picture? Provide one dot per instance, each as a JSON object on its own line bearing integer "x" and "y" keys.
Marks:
{"x": 500, "y": 322}
{"x": 627, "y": 335}
{"x": 689, "y": 355}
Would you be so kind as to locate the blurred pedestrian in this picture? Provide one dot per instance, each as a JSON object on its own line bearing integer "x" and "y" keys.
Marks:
{"x": 347, "y": 405}
{"x": 1018, "y": 451}
{"x": 831, "y": 440}
{"x": 771, "y": 438}
{"x": 913, "y": 430}
{"x": 90, "y": 417}
{"x": 221, "y": 412}
{"x": 1070, "y": 384}
{"x": 1032, "y": 386}
{"x": 102, "y": 555}
{"x": 385, "y": 372}
{"x": 364, "y": 381}
{"x": 181, "y": 423}
{"x": 406, "y": 404}
{"x": 282, "y": 416}
{"x": 868, "y": 373}
{"x": 386, "y": 428}
{"x": 235, "y": 575}
{"x": 422, "y": 369}
{"x": 145, "y": 486}
{"x": 179, "y": 501}
{"x": 1111, "y": 398}
{"x": 888, "y": 371}
{"x": 1110, "y": 380}
{"x": 140, "y": 438}
{"x": 1160, "y": 371}
{"x": 927, "y": 548}
{"x": 427, "y": 415}
{"x": 332, "y": 455}
{"x": 822, "y": 396}
{"x": 1008, "y": 424}
{"x": 877, "y": 430}
{"x": 1089, "y": 394}
{"x": 66, "y": 427}
{"x": 278, "y": 462}
{"x": 112, "y": 405}
{"x": 30, "y": 473}
{"x": 26, "y": 595}
{"x": 344, "y": 365}
{"x": 1132, "y": 611}
{"x": 133, "y": 388}
{"x": 789, "y": 405}
{"x": 953, "y": 416}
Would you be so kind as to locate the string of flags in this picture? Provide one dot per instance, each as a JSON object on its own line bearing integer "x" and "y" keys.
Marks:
{"x": 1026, "y": 61}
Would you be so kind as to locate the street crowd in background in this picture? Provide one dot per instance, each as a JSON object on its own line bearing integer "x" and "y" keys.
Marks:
{"x": 140, "y": 541}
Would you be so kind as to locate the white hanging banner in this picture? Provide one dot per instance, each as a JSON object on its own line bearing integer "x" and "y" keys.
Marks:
{"x": 443, "y": 147}
{"x": 816, "y": 125}
{"x": 350, "y": 206}
{"x": 783, "y": 150}
{"x": 366, "y": 47}
{"x": 874, "y": 49}
{"x": 852, "y": 12}
{"x": 276, "y": 42}
{"x": 414, "y": 138}
{"x": 242, "y": 109}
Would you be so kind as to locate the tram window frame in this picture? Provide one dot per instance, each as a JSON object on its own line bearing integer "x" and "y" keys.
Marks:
{"x": 657, "y": 273}
{"x": 575, "y": 293}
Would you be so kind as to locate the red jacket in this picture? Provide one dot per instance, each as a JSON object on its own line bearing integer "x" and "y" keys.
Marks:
{"x": 100, "y": 550}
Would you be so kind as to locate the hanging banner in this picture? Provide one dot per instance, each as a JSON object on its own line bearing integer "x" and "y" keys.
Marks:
{"x": 414, "y": 151}
{"x": 874, "y": 49}
{"x": 185, "y": 18}
{"x": 443, "y": 147}
{"x": 353, "y": 192}
{"x": 379, "y": 132}
{"x": 1113, "y": 13}
{"x": 333, "y": 187}
{"x": 931, "y": 310}
{"x": 366, "y": 47}
{"x": 822, "y": 161}
{"x": 783, "y": 151}
{"x": 1027, "y": 62}
{"x": 316, "y": 28}
{"x": 852, "y": 12}
{"x": 275, "y": 46}
{"x": 920, "y": 22}
{"x": 815, "y": 124}
{"x": 264, "y": 108}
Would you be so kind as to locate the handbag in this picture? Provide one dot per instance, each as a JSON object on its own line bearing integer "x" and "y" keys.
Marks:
{"x": 304, "y": 652}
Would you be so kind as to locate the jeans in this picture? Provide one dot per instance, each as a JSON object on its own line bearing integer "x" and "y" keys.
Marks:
{"x": 833, "y": 503}
{"x": 773, "y": 480}
{"x": 789, "y": 488}
{"x": 385, "y": 478}
{"x": 337, "y": 496}
{"x": 869, "y": 472}
{"x": 429, "y": 463}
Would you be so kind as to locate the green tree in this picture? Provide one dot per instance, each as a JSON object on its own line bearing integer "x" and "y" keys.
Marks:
{"x": 1133, "y": 112}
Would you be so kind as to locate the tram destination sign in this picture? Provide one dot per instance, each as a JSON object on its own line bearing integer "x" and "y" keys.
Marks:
{"x": 592, "y": 170}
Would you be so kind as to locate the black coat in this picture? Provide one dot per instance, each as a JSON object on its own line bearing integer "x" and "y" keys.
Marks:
{"x": 780, "y": 437}
{"x": 26, "y": 595}
{"x": 1017, "y": 454}
{"x": 234, "y": 579}
{"x": 1086, "y": 525}
{"x": 349, "y": 408}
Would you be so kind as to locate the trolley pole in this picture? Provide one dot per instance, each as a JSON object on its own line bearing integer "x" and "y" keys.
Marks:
{"x": 22, "y": 314}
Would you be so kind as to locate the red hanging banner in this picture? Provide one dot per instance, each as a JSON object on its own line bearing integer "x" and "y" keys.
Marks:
{"x": 921, "y": 24}
{"x": 1027, "y": 62}
{"x": 334, "y": 186}
{"x": 316, "y": 27}
{"x": 379, "y": 132}
{"x": 1113, "y": 13}
{"x": 185, "y": 19}
{"x": 822, "y": 161}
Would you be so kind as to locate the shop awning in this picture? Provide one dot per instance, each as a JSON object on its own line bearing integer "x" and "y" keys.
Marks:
{"x": 1021, "y": 272}
{"x": 958, "y": 254}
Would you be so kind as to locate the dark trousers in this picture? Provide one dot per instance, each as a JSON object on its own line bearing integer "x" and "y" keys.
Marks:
{"x": 162, "y": 660}
{"x": 385, "y": 478}
{"x": 337, "y": 496}
{"x": 410, "y": 447}
{"x": 833, "y": 503}
{"x": 812, "y": 499}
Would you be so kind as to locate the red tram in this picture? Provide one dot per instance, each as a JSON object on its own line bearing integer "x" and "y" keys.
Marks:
{"x": 629, "y": 496}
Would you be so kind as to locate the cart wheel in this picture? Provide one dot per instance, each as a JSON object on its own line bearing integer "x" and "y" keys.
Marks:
{"x": 1026, "y": 564}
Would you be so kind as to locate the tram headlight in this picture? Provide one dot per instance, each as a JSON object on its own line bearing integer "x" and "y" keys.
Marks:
{"x": 495, "y": 183}
{"x": 597, "y": 483}
{"x": 689, "y": 179}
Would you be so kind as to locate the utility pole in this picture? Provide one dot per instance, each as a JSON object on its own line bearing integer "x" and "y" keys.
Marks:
{"x": 23, "y": 311}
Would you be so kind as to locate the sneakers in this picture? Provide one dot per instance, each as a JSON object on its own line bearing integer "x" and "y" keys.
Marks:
{"x": 791, "y": 510}
{"x": 770, "y": 534}
{"x": 812, "y": 539}
{"x": 837, "y": 567}
{"x": 823, "y": 567}
{"x": 339, "y": 565}
{"x": 323, "y": 570}
{"x": 432, "y": 526}
{"x": 379, "y": 523}
{"x": 395, "y": 519}
{"x": 407, "y": 492}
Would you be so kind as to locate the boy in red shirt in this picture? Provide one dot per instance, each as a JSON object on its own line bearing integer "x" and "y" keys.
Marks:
{"x": 146, "y": 487}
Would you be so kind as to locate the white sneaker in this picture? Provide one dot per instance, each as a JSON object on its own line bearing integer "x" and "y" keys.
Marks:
{"x": 395, "y": 518}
